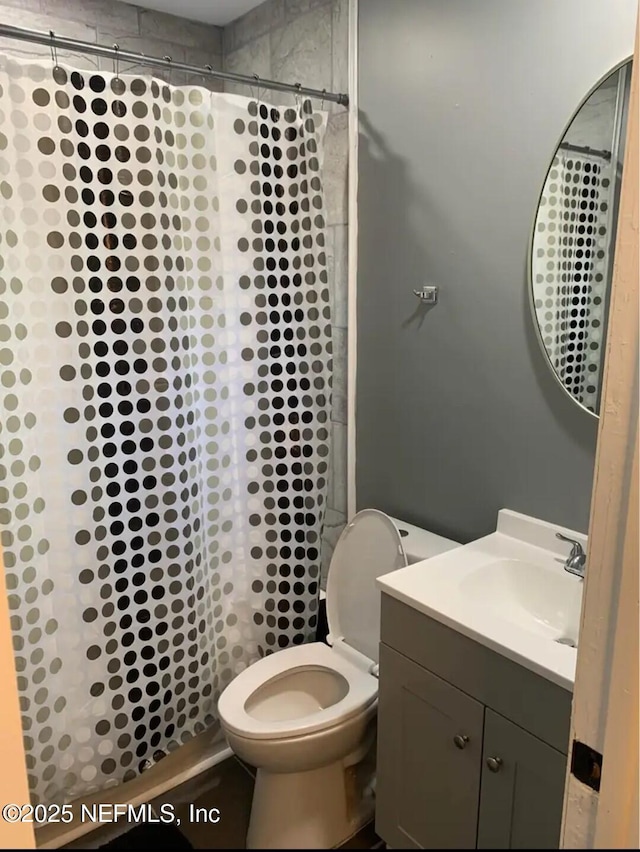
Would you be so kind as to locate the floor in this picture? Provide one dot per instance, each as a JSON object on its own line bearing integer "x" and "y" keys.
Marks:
{"x": 229, "y": 788}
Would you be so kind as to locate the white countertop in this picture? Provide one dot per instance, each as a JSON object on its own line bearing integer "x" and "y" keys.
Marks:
{"x": 509, "y": 591}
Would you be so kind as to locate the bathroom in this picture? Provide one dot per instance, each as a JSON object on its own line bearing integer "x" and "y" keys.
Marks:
{"x": 233, "y": 385}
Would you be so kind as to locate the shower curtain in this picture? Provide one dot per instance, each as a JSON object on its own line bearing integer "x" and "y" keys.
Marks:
{"x": 165, "y": 357}
{"x": 571, "y": 253}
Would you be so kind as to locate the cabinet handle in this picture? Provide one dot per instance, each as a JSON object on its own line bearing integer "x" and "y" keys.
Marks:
{"x": 494, "y": 763}
{"x": 460, "y": 740}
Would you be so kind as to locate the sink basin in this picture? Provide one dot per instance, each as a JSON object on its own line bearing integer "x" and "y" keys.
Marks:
{"x": 540, "y": 597}
{"x": 509, "y": 591}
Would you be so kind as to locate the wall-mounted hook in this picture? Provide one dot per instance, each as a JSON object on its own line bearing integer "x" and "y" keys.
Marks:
{"x": 428, "y": 295}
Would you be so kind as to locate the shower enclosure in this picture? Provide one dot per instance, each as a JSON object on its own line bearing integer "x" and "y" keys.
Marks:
{"x": 165, "y": 351}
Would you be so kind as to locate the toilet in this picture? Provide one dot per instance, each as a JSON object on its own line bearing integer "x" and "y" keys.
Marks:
{"x": 305, "y": 716}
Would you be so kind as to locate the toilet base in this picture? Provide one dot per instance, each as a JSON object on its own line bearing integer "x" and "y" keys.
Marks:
{"x": 300, "y": 810}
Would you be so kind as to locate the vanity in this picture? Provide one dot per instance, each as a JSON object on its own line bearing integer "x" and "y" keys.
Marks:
{"x": 477, "y": 663}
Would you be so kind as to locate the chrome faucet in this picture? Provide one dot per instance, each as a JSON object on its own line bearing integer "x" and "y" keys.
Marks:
{"x": 575, "y": 562}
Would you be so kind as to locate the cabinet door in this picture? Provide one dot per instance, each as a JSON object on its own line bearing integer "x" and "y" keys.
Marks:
{"x": 522, "y": 789}
{"x": 427, "y": 785}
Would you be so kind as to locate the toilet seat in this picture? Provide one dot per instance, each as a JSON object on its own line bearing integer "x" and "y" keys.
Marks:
{"x": 369, "y": 546}
{"x": 361, "y": 693}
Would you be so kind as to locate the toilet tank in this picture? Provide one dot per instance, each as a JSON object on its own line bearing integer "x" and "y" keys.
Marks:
{"x": 421, "y": 544}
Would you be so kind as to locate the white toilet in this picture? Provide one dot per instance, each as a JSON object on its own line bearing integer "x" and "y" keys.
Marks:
{"x": 305, "y": 715}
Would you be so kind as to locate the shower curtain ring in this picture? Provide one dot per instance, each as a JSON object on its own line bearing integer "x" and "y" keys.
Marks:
{"x": 298, "y": 97}
{"x": 54, "y": 50}
{"x": 116, "y": 62}
{"x": 168, "y": 60}
{"x": 324, "y": 92}
{"x": 256, "y": 95}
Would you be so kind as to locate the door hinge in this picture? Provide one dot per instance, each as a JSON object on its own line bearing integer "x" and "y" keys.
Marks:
{"x": 586, "y": 765}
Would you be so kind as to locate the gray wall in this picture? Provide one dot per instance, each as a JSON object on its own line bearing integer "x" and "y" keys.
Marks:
{"x": 109, "y": 21}
{"x": 306, "y": 41}
{"x": 462, "y": 104}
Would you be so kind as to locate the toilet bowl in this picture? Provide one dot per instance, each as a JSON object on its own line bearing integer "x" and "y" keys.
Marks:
{"x": 305, "y": 716}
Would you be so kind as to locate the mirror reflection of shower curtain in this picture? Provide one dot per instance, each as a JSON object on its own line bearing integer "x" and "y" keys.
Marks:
{"x": 165, "y": 360}
{"x": 573, "y": 237}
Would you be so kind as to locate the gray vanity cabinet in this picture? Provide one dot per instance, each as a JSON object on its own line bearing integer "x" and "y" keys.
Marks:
{"x": 522, "y": 789}
{"x": 471, "y": 746}
{"x": 429, "y": 759}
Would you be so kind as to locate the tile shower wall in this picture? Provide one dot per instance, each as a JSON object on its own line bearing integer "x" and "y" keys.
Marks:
{"x": 109, "y": 21}
{"x": 593, "y": 125}
{"x": 306, "y": 41}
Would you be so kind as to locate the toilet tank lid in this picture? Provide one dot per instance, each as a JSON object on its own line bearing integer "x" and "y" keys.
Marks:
{"x": 369, "y": 547}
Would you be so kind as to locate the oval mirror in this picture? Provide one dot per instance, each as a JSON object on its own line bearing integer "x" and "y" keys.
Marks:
{"x": 573, "y": 240}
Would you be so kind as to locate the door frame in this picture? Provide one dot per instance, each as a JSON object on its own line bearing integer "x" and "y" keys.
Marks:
{"x": 605, "y": 700}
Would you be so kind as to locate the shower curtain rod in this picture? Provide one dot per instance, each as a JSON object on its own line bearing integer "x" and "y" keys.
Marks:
{"x": 585, "y": 149}
{"x": 115, "y": 53}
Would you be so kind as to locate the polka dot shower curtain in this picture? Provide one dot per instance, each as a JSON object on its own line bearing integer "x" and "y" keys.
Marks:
{"x": 165, "y": 389}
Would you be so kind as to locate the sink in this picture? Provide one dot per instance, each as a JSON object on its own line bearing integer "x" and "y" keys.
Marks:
{"x": 509, "y": 591}
{"x": 537, "y": 596}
